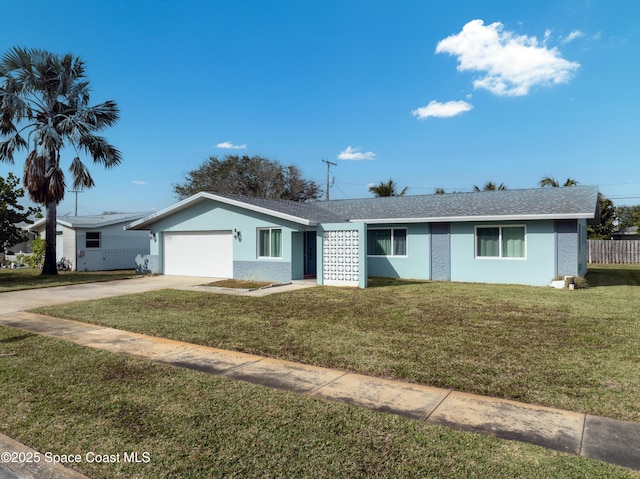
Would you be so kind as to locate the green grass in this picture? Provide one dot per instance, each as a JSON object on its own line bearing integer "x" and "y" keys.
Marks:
{"x": 576, "y": 350}
{"x": 27, "y": 278}
{"x": 67, "y": 399}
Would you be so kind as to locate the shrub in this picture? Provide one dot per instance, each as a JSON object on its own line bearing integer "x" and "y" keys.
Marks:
{"x": 36, "y": 258}
{"x": 579, "y": 282}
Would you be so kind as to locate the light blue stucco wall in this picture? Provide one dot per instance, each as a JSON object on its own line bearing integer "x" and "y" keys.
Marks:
{"x": 537, "y": 269}
{"x": 210, "y": 215}
{"x": 414, "y": 265}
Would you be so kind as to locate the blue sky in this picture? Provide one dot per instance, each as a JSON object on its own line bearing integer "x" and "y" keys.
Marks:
{"x": 434, "y": 94}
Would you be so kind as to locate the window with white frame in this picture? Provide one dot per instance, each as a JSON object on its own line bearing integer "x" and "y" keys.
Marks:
{"x": 92, "y": 239}
{"x": 387, "y": 242}
{"x": 500, "y": 241}
{"x": 270, "y": 243}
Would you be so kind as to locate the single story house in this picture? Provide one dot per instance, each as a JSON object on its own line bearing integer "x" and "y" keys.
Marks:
{"x": 98, "y": 242}
{"x": 511, "y": 236}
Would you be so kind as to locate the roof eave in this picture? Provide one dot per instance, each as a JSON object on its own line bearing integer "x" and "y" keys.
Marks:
{"x": 144, "y": 223}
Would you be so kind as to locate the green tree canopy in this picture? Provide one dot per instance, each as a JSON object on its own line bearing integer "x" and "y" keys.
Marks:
{"x": 628, "y": 216}
{"x": 387, "y": 189}
{"x": 250, "y": 176}
{"x": 11, "y": 212}
{"x": 607, "y": 219}
{"x": 44, "y": 108}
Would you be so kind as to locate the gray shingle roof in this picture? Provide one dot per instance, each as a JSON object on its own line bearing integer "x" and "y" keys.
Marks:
{"x": 574, "y": 202}
{"x": 567, "y": 202}
{"x": 539, "y": 203}
{"x": 313, "y": 211}
{"x": 92, "y": 221}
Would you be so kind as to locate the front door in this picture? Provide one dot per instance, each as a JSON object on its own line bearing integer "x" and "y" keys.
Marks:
{"x": 310, "y": 254}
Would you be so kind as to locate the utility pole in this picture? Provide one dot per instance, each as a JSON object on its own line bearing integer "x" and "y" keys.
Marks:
{"x": 326, "y": 196}
{"x": 76, "y": 192}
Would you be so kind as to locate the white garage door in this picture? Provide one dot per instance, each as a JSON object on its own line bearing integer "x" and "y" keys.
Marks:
{"x": 207, "y": 254}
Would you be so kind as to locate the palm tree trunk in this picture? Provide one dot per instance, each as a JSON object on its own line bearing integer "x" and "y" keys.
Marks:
{"x": 49, "y": 266}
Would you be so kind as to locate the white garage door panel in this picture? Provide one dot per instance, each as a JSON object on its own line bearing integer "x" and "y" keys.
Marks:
{"x": 208, "y": 254}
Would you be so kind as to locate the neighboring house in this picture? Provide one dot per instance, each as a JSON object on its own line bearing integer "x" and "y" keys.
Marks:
{"x": 630, "y": 233}
{"x": 9, "y": 254}
{"x": 97, "y": 243}
{"x": 512, "y": 236}
{"x": 23, "y": 246}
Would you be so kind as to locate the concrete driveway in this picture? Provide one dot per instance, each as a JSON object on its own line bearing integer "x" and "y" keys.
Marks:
{"x": 13, "y": 301}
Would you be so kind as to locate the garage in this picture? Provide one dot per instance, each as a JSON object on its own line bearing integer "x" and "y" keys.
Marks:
{"x": 199, "y": 253}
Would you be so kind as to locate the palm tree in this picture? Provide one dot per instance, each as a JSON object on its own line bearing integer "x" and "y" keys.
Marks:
{"x": 44, "y": 108}
{"x": 550, "y": 181}
{"x": 387, "y": 189}
{"x": 490, "y": 186}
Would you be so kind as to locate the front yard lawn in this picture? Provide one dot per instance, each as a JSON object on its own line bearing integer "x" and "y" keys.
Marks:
{"x": 576, "y": 350}
{"x": 66, "y": 399}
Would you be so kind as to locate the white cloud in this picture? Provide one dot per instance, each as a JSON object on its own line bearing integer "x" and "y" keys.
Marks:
{"x": 442, "y": 110}
{"x": 512, "y": 64}
{"x": 139, "y": 182}
{"x": 230, "y": 146}
{"x": 356, "y": 154}
{"x": 572, "y": 36}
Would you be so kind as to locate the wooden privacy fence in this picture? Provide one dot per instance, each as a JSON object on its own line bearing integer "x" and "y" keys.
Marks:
{"x": 613, "y": 251}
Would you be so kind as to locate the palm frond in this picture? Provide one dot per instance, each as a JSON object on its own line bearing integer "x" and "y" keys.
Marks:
{"x": 11, "y": 102}
{"x": 44, "y": 185}
{"x": 9, "y": 146}
{"x": 81, "y": 176}
{"x": 55, "y": 185}
{"x": 102, "y": 115}
{"x": 48, "y": 138}
{"x": 549, "y": 181}
{"x": 33, "y": 178}
{"x": 100, "y": 150}
{"x": 79, "y": 94}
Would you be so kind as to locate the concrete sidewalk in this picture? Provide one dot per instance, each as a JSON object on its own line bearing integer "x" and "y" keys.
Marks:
{"x": 608, "y": 440}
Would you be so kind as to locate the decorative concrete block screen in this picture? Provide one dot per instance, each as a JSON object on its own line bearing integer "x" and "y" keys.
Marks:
{"x": 340, "y": 258}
